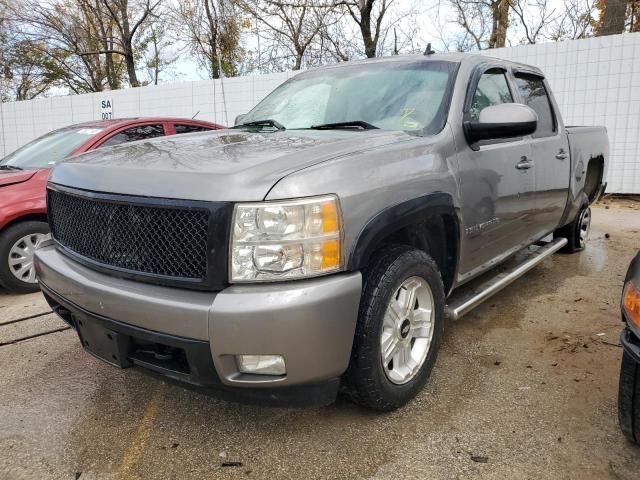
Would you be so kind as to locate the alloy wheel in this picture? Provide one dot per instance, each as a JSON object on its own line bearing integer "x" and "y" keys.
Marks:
{"x": 21, "y": 257}
{"x": 585, "y": 226}
{"x": 407, "y": 330}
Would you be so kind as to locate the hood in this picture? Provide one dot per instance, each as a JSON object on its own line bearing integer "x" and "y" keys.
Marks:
{"x": 227, "y": 165}
{"x": 10, "y": 177}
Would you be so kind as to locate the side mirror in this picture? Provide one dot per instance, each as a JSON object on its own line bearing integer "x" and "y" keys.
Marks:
{"x": 506, "y": 120}
{"x": 239, "y": 118}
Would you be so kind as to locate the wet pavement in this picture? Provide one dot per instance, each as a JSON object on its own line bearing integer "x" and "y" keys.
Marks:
{"x": 525, "y": 386}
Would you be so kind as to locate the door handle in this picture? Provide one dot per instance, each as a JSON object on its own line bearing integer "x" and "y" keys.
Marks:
{"x": 524, "y": 164}
{"x": 561, "y": 154}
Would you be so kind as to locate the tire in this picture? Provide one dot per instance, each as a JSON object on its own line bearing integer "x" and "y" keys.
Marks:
{"x": 576, "y": 232}
{"x": 369, "y": 380}
{"x": 10, "y": 238}
{"x": 629, "y": 398}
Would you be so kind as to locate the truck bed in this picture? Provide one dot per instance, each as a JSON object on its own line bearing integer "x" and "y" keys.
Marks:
{"x": 586, "y": 143}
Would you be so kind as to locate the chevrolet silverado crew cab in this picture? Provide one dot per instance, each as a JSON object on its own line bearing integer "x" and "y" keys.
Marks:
{"x": 314, "y": 247}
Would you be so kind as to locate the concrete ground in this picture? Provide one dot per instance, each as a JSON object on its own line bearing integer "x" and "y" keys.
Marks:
{"x": 524, "y": 387}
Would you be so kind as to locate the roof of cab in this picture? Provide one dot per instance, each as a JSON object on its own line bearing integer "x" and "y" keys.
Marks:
{"x": 455, "y": 57}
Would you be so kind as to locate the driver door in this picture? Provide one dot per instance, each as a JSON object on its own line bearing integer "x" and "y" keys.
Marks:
{"x": 497, "y": 182}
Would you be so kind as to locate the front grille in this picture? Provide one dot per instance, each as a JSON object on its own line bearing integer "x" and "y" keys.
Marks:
{"x": 155, "y": 240}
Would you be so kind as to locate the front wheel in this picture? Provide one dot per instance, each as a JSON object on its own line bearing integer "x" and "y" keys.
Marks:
{"x": 576, "y": 232}
{"x": 400, "y": 326}
{"x": 17, "y": 247}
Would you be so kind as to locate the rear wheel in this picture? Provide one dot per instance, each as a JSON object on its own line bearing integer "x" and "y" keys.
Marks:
{"x": 629, "y": 398}
{"x": 17, "y": 247}
{"x": 576, "y": 232}
{"x": 400, "y": 326}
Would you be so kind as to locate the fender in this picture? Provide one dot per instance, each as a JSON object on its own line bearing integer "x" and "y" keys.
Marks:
{"x": 397, "y": 217}
{"x": 577, "y": 195}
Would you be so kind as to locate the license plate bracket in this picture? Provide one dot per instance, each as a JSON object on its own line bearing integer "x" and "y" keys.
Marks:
{"x": 103, "y": 343}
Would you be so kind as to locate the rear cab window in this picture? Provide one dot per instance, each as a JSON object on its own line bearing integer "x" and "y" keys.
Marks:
{"x": 139, "y": 132}
{"x": 190, "y": 128}
{"x": 534, "y": 94}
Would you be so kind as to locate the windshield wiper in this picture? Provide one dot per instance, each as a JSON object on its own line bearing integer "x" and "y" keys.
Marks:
{"x": 360, "y": 124}
{"x": 10, "y": 167}
{"x": 263, "y": 123}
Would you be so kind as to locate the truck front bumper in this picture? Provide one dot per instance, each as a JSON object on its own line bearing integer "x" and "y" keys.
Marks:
{"x": 193, "y": 337}
{"x": 631, "y": 344}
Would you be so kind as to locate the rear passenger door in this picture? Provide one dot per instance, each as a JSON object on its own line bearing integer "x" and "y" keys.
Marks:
{"x": 549, "y": 153}
{"x": 131, "y": 134}
{"x": 496, "y": 191}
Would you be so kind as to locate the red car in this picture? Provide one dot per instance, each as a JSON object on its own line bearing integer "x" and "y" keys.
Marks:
{"x": 23, "y": 178}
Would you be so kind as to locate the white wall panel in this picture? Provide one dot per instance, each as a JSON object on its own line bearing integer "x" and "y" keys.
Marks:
{"x": 595, "y": 81}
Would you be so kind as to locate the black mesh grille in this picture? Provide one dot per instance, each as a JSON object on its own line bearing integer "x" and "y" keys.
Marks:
{"x": 156, "y": 240}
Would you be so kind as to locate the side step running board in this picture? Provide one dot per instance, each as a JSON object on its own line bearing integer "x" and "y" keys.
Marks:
{"x": 469, "y": 300}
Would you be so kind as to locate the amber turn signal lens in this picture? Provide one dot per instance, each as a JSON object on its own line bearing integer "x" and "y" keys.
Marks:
{"x": 631, "y": 303}
{"x": 330, "y": 217}
{"x": 330, "y": 254}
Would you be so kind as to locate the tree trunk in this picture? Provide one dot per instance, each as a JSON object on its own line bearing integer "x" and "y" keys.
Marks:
{"x": 634, "y": 16}
{"x": 127, "y": 41}
{"x": 370, "y": 45}
{"x": 213, "y": 40}
{"x": 215, "y": 70}
{"x": 156, "y": 59}
{"x": 112, "y": 77}
{"x": 614, "y": 16}
{"x": 500, "y": 23}
{"x": 131, "y": 67}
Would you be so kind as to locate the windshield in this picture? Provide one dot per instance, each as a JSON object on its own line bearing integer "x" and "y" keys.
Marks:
{"x": 49, "y": 149}
{"x": 397, "y": 96}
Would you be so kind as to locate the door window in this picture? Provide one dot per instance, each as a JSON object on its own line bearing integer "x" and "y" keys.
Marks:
{"x": 191, "y": 128}
{"x": 141, "y": 132}
{"x": 535, "y": 96}
{"x": 492, "y": 90}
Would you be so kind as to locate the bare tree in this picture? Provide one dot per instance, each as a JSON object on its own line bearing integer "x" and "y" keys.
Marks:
{"x": 474, "y": 17}
{"x": 392, "y": 27}
{"x": 369, "y": 16}
{"x": 212, "y": 30}
{"x": 575, "y": 20}
{"x": 486, "y": 22}
{"x": 129, "y": 18}
{"x": 534, "y": 16}
{"x": 156, "y": 43}
{"x": 103, "y": 30}
{"x": 66, "y": 35}
{"x": 338, "y": 40}
{"x": 88, "y": 42}
{"x": 293, "y": 26}
{"x": 24, "y": 71}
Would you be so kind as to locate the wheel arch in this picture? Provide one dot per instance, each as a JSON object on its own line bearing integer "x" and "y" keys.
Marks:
{"x": 29, "y": 217}
{"x": 429, "y": 223}
{"x": 593, "y": 179}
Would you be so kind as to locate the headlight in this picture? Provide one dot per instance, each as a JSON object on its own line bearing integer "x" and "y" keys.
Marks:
{"x": 631, "y": 303}
{"x": 285, "y": 240}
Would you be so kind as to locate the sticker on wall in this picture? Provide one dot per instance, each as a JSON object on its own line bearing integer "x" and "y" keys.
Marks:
{"x": 106, "y": 108}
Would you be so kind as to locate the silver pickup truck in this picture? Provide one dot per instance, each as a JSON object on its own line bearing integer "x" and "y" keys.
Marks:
{"x": 314, "y": 247}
